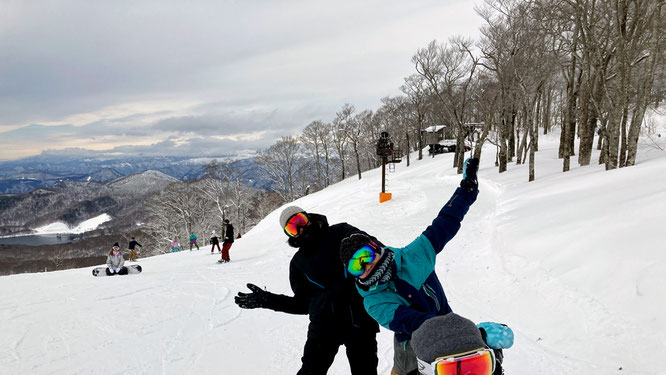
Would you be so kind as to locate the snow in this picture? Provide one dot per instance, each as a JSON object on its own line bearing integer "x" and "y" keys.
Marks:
{"x": 573, "y": 262}
{"x": 85, "y": 226}
{"x": 434, "y": 128}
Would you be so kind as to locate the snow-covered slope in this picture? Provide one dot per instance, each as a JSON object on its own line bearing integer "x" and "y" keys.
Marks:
{"x": 573, "y": 262}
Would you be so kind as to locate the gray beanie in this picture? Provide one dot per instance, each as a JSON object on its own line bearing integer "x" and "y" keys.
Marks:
{"x": 445, "y": 335}
{"x": 287, "y": 213}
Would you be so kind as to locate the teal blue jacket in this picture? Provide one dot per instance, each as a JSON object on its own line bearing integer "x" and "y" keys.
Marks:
{"x": 415, "y": 293}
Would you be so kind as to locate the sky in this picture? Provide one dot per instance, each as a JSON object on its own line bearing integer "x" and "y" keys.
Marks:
{"x": 204, "y": 77}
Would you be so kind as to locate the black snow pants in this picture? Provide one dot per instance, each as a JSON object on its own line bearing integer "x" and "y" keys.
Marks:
{"x": 323, "y": 343}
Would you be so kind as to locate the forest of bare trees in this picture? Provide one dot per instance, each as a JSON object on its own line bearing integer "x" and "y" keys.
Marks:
{"x": 589, "y": 69}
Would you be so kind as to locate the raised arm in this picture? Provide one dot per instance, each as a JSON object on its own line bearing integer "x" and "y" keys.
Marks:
{"x": 446, "y": 224}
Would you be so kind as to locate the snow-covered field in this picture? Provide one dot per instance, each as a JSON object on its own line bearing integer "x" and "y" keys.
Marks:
{"x": 85, "y": 226}
{"x": 573, "y": 262}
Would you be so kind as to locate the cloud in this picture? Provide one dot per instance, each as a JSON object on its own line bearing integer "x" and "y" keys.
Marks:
{"x": 145, "y": 71}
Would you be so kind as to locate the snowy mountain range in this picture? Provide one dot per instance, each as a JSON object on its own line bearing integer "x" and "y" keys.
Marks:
{"x": 573, "y": 262}
{"x": 73, "y": 201}
{"x": 25, "y": 175}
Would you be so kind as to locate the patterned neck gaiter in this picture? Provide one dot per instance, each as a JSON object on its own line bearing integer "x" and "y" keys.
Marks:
{"x": 382, "y": 273}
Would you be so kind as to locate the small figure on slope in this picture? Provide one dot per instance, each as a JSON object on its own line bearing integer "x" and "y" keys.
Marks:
{"x": 175, "y": 246}
{"x": 133, "y": 254}
{"x": 228, "y": 241}
{"x": 193, "y": 241}
{"x": 115, "y": 264}
{"x": 214, "y": 242}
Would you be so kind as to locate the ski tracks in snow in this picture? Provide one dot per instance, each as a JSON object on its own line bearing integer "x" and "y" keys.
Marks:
{"x": 499, "y": 278}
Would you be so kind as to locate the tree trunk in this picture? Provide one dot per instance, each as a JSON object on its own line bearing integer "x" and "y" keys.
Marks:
{"x": 546, "y": 115}
{"x": 408, "y": 148}
{"x": 623, "y": 135}
{"x": 570, "y": 116}
{"x": 503, "y": 147}
{"x": 512, "y": 138}
{"x": 533, "y": 146}
{"x": 358, "y": 160}
{"x": 645, "y": 88}
{"x": 584, "y": 131}
{"x": 460, "y": 150}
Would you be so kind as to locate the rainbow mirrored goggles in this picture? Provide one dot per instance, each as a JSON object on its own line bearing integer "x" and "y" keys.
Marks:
{"x": 477, "y": 362}
{"x": 295, "y": 224}
{"x": 362, "y": 256}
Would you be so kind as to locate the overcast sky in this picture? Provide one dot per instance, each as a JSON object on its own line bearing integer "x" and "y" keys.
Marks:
{"x": 201, "y": 77}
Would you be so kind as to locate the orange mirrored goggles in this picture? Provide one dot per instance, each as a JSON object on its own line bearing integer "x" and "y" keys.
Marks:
{"x": 295, "y": 224}
{"x": 479, "y": 362}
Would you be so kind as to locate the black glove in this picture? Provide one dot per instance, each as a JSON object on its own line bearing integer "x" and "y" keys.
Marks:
{"x": 257, "y": 298}
{"x": 470, "y": 167}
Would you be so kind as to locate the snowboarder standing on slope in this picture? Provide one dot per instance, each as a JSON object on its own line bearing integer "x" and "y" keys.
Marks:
{"x": 228, "y": 241}
{"x": 215, "y": 242}
{"x": 115, "y": 264}
{"x": 323, "y": 290}
{"x": 193, "y": 241}
{"x": 399, "y": 286}
{"x": 133, "y": 254}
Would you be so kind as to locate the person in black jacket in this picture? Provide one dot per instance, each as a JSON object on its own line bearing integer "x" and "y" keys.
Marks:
{"x": 133, "y": 254}
{"x": 215, "y": 242}
{"x": 323, "y": 290}
{"x": 228, "y": 241}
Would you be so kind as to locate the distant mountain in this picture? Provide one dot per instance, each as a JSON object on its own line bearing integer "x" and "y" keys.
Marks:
{"x": 141, "y": 183}
{"x": 73, "y": 201}
{"x": 104, "y": 175}
{"x": 45, "y": 171}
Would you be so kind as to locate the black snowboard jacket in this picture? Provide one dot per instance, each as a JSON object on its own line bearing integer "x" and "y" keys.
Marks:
{"x": 322, "y": 287}
{"x": 229, "y": 234}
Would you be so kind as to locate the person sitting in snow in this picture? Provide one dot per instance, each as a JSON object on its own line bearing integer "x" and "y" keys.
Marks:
{"x": 115, "y": 264}
{"x": 324, "y": 291}
{"x": 452, "y": 344}
{"x": 399, "y": 286}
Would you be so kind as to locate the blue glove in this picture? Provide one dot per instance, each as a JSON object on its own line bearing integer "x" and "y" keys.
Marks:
{"x": 111, "y": 270}
{"x": 118, "y": 269}
{"x": 496, "y": 336}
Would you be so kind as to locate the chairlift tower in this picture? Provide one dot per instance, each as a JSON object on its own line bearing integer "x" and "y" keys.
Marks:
{"x": 389, "y": 154}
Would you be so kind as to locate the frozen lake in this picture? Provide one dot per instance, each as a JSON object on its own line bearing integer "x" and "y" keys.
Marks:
{"x": 38, "y": 239}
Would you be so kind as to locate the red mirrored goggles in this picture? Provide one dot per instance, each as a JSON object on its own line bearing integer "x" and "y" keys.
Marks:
{"x": 295, "y": 224}
{"x": 479, "y": 362}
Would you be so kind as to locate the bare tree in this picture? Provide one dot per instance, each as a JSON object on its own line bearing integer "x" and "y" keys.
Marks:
{"x": 418, "y": 92}
{"x": 449, "y": 69}
{"x": 357, "y": 137}
{"x": 339, "y": 129}
{"x": 312, "y": 142}
{"x": 279, "y": 164}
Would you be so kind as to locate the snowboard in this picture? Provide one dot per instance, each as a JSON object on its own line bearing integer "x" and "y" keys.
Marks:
{"x": 223, "y": 261}
{"x": 131, "y": 270}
